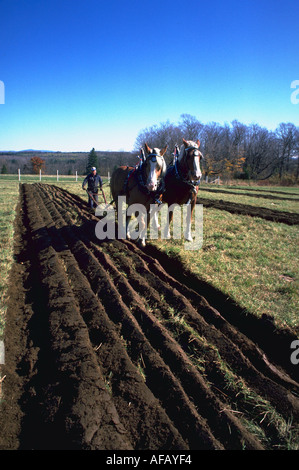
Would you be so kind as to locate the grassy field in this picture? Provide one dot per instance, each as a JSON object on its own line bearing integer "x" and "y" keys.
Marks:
{"x": 44, "y": 178}
{"x": 9, "y": 192}
{"x": 282, "y": 203}
{"x": 251, "y": 260}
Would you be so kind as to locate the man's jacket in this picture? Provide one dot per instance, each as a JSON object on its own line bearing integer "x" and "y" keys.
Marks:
{"x": 93, "y": 183}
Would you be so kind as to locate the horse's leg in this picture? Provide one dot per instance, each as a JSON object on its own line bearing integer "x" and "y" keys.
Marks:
{"x": 128, "y": 218}
{"x": 143, "y": 229}
{"x": 155, "y": 221}
{"x": 167, "y": 226}
{"x": 190, "y": 209}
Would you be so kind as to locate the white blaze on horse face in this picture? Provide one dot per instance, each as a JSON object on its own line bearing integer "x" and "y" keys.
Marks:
{"x": 196, "y": 168}
{"x": 152, "y": 180}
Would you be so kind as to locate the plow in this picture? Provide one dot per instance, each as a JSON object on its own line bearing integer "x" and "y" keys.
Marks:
{"x": 91, "y": 195}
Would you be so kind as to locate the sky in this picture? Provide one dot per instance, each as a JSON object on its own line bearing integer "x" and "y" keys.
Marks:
{"x": 76, "y": 75}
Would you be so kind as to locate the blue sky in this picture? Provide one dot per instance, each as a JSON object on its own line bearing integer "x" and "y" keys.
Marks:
{"x": 82, "y": 74}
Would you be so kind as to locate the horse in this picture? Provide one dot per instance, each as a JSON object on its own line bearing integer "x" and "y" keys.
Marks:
{"x": 181, "y": 181}
{"x": 142, "y": 185}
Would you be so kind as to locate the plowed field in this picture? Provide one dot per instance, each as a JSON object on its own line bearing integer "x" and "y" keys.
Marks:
{"x": 103, "y": 345}
{"x": 289, "y": 218}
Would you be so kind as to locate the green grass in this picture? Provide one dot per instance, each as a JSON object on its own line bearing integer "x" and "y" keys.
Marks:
{"x": 275, "y": 204}
{"x": 278, "y": 191}
{"x": 252, "y": 260}
{"x": 254, "y": 188}
{"x": 44, "y": 178}
{"x": 9, "y": 193}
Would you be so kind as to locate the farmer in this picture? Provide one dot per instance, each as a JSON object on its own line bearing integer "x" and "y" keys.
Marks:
{"x": 93, "y": 182}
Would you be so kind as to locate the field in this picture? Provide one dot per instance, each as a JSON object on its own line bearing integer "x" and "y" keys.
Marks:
{"x": 108, "y": 346}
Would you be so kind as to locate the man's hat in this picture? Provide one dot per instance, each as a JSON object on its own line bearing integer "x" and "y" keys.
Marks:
{"x": 93, "y": 168}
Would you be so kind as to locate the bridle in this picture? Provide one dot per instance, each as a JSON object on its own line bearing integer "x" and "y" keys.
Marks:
{"x": 178, "y": 172}
{"x": 139, "y": 173}
{"x": 140, "y": 177}
{"x": 192, "y": 184}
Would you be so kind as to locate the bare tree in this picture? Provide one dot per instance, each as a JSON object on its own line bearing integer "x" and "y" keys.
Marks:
{"x": 190, "y": 127}
{"x": 231, "y": 149}
{"x": 287, "y": 136}
{"x": 167, "y": 134}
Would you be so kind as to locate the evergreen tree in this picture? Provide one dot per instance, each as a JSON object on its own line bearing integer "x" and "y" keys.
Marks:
{"x": 92, "y": 161}
{"x": 4, "y": 169}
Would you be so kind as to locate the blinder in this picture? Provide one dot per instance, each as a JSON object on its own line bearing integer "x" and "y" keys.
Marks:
{"x": 196, "y": 152}
{"x": 153, "y": 158}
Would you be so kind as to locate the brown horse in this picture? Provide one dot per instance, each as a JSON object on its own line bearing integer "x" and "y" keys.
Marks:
{"x": 182, "y": 180}
{"x": 142, "y": 185}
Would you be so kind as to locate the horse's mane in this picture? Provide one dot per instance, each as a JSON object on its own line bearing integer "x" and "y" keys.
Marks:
{"x": 190, "y": 143}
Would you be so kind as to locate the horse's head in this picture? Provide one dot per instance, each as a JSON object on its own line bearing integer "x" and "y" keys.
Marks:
{"x": 190, "y": 156}
{"x": 154, "y": 167}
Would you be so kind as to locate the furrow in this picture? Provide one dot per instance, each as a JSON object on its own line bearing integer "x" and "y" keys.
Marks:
{"x": 134, "y": 401}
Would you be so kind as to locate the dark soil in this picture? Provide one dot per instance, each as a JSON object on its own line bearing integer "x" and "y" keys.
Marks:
{"x": 289, "y": 218}
{"x": 261, "y": 194}
{"x": 95, "y": 360}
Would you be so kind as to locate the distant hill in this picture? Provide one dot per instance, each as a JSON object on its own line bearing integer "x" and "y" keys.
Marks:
{"x": 34, "y": 150}
{"x": 27, "y": 150}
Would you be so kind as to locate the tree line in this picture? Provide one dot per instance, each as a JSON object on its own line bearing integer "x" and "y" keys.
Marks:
{"x": 67, "y": 163}
{"x": 233, "y": 150}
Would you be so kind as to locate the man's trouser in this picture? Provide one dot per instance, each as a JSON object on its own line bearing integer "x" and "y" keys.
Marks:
{"x": 91, "y": 202}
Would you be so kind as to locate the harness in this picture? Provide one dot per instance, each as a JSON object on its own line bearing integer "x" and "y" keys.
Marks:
{"x": 137, "y": 173}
